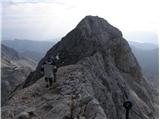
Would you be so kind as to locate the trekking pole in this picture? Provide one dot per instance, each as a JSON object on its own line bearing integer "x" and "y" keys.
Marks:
{"x": 127, "y": 105}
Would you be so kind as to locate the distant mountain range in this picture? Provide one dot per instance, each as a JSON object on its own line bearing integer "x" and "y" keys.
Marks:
{"x": 34, "y": 49}
{"x": 143, "y": 46}
{"x": 147, "y": 55}
{"x": 15, "y": 68}
{"x": 143, "y": 37}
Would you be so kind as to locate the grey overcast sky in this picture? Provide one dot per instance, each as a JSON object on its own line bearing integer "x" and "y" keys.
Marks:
{"x": 49, "y": 19}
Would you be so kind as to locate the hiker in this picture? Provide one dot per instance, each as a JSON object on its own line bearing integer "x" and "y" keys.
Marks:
{"x": 49, "y": 70}
{"x": 127, "y": 105}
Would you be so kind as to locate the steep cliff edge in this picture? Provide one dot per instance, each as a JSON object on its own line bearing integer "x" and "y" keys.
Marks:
{"x": 97, "y": 73}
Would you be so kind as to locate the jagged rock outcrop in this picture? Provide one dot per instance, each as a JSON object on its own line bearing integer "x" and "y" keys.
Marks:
{"x": 15, "y": 69}
{"x": 97, "y": 73}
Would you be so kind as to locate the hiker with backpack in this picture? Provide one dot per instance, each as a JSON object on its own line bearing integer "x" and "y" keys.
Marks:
{"x": 49, "y": 70}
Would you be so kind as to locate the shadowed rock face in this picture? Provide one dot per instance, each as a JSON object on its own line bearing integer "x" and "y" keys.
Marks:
{"x": 97, "y": 73}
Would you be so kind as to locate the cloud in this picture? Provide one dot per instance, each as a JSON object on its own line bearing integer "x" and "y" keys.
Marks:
{"x": 32, "y": 1}
{"x": 43, "y": 19}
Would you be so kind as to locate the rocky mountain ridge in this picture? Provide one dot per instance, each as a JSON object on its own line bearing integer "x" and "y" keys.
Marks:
{"x": 97, "y": 73}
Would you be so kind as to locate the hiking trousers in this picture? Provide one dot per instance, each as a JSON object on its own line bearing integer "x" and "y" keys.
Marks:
{"x": 48, "y": 81}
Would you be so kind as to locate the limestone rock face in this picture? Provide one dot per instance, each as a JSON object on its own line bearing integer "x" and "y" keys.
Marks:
{"x": 97, "y": 73}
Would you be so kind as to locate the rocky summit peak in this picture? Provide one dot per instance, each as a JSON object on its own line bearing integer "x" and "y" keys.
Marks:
{"x": 94, "y": 25}
{"x": 92, "y": 21}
